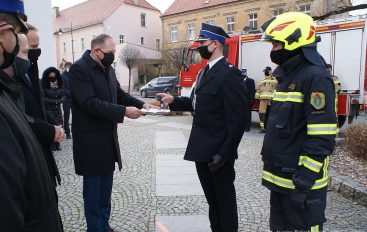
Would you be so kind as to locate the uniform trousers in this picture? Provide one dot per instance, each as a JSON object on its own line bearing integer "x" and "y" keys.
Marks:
{"x": 263, "y": 105}
{"x": 220, "y": 194}
{"x": 284, "y": 217}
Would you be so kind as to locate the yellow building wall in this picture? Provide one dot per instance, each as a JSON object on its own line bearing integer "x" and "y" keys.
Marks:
{"x": 239, "y": 10}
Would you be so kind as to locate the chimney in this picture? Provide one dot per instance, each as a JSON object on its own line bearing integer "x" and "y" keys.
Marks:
{"x": 55, "y": 12}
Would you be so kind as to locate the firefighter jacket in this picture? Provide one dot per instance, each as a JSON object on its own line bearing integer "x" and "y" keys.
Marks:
{"x": 337, "y": 84}
{"x": 302, "y": 124}
{"x": 265, "y": 88}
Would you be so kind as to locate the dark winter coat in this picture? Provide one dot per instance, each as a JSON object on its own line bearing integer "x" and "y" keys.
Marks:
{"x": 28, "y": 201}
{"x": 35, "y": 108}
{"x": 98, "y": 104}
{"x": 53, "y": 97}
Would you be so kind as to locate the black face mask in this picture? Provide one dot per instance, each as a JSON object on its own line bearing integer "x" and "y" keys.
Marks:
{"x": 108, "y": 59}
{"x": 33, "y": 54}
{"x": 52, "y": 79}
{"x": 204, "y": 52}
{"x": 9, "y": 57}
{"x": 281, "y": 56}
{"x": 20, "y": 66}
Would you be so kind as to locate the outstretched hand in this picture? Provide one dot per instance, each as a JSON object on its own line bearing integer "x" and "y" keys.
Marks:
{"x": 165, "y": 98}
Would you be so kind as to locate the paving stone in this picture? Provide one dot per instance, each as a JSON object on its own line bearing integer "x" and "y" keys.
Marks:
{"x": 136, "y": 204}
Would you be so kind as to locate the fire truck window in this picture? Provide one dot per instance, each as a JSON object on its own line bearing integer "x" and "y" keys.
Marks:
{"x": 225, "y": 51}
{"x": 196, "y": 58}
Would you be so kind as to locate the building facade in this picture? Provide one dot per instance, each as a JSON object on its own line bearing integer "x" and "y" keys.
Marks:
{"x": 133, "y": 22}
{"x": 182, "y": 20}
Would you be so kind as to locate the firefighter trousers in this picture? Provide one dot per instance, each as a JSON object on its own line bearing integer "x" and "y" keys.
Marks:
{"x": 262, "y": 111}
{"x": 284, "y": 217}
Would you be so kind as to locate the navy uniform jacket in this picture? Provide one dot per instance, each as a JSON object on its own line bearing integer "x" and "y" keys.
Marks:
{"x": 98, "y": 104}
{"x": 220, "y": 113}
{"x": 302, "y": 123}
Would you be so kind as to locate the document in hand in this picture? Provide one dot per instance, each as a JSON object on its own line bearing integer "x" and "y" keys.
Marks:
{"x": 153, "y": 111}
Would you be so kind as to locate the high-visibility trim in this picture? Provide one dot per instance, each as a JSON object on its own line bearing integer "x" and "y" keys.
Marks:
{"x": 282, "y": 182}
{"x": 315, "y": 228}
{"x": 288, "y": 96}
{"x": 288, "y": 183}
{"x": 309, "y": 163}
{"x": 321, "y": 129}
{"x": 266, "y": 94}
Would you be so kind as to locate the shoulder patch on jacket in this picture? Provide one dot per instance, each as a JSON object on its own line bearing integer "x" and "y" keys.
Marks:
{"x": 317, "y": 100}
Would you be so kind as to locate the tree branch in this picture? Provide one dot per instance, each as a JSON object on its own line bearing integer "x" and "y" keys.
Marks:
{"x": 340, "y": 11}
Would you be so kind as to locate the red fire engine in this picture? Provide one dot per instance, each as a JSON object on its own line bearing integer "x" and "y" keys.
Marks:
{"x": 343, "y": 45}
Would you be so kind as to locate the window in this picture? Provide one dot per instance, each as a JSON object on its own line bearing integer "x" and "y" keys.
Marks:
{"x": 143, "y": 19}
{"x": 141, "y": 40}
{"x": 230, "y": 24}
{"x": 174, "y": 34}
{"x": 158, "y": 44}
{"x": 82, "y": 44}
{"x": 252, "y": 19}
{"x": 305, "y": 9}
{"x": 278, "y": 11}
{"x": 64, "y": 47}
{"x": 121, "y": 39}
{"x": 191, "y": 31}
{"x": 210, "y": 22}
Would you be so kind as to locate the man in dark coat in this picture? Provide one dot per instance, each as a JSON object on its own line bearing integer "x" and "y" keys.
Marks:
{"x": 46, "y": 133}
{"x": 251, "y": 90}
{"x": 27, "y": 195}
{"x": 98, "y": 104}
{"x": 220, "y": 106}
{"x": 67, "y": 98}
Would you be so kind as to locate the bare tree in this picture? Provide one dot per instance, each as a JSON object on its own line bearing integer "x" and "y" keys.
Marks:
{"x": 341, "y": 10}
{"x": 172, "y": 60}
{"x": 130, "y": 56}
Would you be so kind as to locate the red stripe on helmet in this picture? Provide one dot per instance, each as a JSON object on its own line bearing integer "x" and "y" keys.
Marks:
{"x": 281, "y": 26}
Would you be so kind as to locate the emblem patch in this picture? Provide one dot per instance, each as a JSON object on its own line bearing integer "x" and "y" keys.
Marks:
{"x": 292, "y": 87}
{"x": 317, "y": 100}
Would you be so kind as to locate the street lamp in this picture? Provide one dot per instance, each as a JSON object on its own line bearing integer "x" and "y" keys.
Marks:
{"x": 72, "y": 39}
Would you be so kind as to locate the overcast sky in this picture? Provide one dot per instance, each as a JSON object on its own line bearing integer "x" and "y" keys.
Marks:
{"x": 162, "y": 5}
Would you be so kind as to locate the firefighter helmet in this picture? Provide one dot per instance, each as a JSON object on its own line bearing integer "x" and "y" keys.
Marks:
{"x": 294, "y": 29}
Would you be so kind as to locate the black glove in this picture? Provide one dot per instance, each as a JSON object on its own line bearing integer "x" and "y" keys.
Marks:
{"x": 216, "y": 162}
{"x": 297, "y": 199}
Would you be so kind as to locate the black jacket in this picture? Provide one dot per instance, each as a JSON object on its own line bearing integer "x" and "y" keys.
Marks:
{"x": 34, "y": 107}
{"x": 98, "y": 104}
{"x": 302, "y": 123}
{"x": 28, "y": 202}
{"x": 220, "y": 113}
{"x": 66, "y": 87}
{"x": 251, "y": 90}
{"x": 53, "y": 97}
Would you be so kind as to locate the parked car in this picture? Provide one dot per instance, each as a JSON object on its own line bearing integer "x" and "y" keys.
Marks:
{"x": 166, "y": 84}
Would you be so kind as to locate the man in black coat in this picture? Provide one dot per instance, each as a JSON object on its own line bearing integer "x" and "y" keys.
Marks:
{"x": 220, "y": 106}
{"x": 251, "y": 90}
{"x": 34, "y": 107}
{"x": 66, "y": 103}
{"x": 98, "y": 104}
{"x": 27, "y": 195}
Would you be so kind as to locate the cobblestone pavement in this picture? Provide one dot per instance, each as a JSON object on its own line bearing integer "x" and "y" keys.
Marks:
{"x": 135, "y": 206}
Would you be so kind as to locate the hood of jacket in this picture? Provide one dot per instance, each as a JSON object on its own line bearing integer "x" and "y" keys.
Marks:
{"x": 46, "y": 81}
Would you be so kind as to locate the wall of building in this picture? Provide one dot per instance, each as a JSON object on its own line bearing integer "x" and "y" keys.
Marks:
{"x": 87, "y": 33}
{"x": 126, "y": 21}
{"x": 40, "y": 15}
{"x": 240, "y": 11}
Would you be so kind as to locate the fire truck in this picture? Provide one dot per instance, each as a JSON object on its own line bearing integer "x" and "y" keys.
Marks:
{"x": 343, "y": 45}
